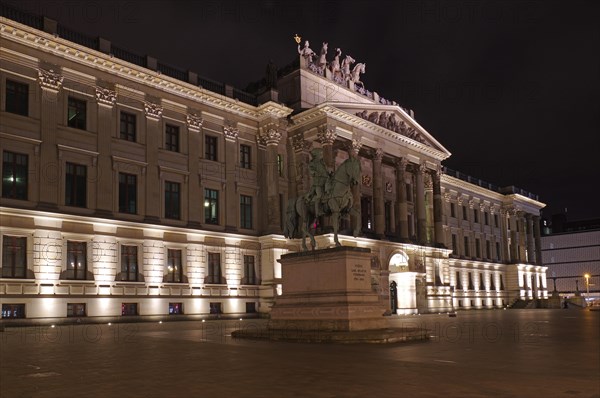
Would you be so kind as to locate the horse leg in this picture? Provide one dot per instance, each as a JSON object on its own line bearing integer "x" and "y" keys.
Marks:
{"x": 336, "y": 226}
{"x": 357, "y": 217}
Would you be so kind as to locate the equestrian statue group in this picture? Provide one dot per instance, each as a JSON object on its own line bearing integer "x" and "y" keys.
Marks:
{"x": 330, "y": 194}
{"x": 341, "y": 72}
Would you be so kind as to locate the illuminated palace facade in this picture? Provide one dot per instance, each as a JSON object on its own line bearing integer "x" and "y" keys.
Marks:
{"x": 130, "y": 188}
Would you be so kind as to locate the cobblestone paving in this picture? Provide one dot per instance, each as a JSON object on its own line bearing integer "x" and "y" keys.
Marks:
{"x": 515, "y": 353}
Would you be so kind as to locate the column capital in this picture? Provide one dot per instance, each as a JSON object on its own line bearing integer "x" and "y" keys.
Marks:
{"x": 106, "y": 97}
{"x": 299, "y": 144}
{"x": 193, "y": 121}
{"x": 271, "y": 136}
{"x": 447, "y": 196}
{"x": 326, "y": 134}
{"x": 230, "y": 132}
{"x": 50, "y": 79}
{"x": 152, "y": 110}
{"x": 355, "y": 146}
{"x": 401, "y": 164}
{"x": 421, "y": 168}
{"x": 378, "y": 154}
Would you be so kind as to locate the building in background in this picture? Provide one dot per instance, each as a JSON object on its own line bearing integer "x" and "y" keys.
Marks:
{"x": 571, "y": 250}
{"x": 132, "y": 188}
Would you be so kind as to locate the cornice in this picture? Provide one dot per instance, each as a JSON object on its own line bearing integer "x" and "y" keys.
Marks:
{"x": 42, "y": 41}
{"x": 457, "y": 183}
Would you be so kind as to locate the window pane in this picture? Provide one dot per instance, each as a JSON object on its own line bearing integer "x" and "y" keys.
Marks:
{"x": 172, "y": 192}
{"x": 127, "y": 193}
{"x": 76, "y": 113}
{"x": 17, "y": 97}
{"x": 76, "y": 185}
{"x": 15, "y": 169}
{"x": 211, "y": 206}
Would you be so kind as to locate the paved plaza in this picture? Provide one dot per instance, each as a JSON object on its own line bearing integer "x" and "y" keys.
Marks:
{"x": 514, "y": 353}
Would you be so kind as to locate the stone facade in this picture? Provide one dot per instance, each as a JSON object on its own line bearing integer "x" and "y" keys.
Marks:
{"x": 144, "y": 189}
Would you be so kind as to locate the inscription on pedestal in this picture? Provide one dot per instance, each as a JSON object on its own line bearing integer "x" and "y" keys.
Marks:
{"x": 359, "y": 272}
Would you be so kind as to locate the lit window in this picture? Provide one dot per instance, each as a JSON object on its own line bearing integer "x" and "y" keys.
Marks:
{"x": 129, "y": 263}
{"x": 174, "y": 266}
{"x": 76, "y": 260}
{"x": 211, "y": 206}
{"x": 14, "y": 257}
{"x": 15, "y": 167}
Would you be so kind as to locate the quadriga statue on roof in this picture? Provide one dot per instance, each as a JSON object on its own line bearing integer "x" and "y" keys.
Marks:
{"x": 330, "y": 194}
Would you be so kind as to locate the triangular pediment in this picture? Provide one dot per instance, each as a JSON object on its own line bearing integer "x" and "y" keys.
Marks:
{"x": 395, "y": 120}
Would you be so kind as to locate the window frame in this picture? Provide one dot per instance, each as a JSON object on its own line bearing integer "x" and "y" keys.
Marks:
{"x": 130, "y": 123}
{"x": 245, "y": 156}
{"x": 14, "y": 250}
{"x": 172, "y": 200}
{"x": 79, "y": 118}
{"x": 211, "y": 148}
{"x": 246, "y": 208}
{"x": 250, "y": 275}
{"x": 20, "y": 97}
{"x": 174, "y": 266}
{"x": 213, "y": 263}
{"x": 17, "y": 171}
{"x": 172, "y": 138}
{"x": 126, "y": 271}
{"x": 209, "y": 203}
{"x": 74, "y": 182}
{"x": 75, "y": 250}
{"x": 125, "y": 190}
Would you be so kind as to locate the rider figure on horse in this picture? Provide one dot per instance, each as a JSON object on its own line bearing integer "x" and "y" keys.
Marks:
{"x": 320, "y": 175}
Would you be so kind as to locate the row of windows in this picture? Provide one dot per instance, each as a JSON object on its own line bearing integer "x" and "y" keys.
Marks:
{"x": 486, "y": 216}
{"x": 14, "y": 186}
{"x": 17, "y": 311}
{"x": 478, "y": 254}
{"x": 17, "y": 100}
{"x": 471, "y": 286}
{"x": 14, "y": 263}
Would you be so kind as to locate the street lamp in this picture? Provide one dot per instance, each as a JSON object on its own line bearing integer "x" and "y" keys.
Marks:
{"x": 587, "y": 284}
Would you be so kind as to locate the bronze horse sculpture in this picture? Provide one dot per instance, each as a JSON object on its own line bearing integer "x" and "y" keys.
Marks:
{"x": 335, "y": 202}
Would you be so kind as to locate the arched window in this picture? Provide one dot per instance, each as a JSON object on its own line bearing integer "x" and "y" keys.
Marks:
{"x": 399, "y": 260}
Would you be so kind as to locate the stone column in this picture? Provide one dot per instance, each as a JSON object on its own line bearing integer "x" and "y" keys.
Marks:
{"x": 505, "y": 235}
{"x": 537, "y": 236}
{"x": 153, "y": 142}
{"x": 401, "y": 205}
{"x": 421, "y": 217}
{"x": 522, "y": 237}
{"x": 326, "y": 135}
{"x": 272, "y": 136}
{"x": 378, "y": 206}
{"x": 438, "y": 208}
{"x": 353, "y": 151}
{"x": 195, "y": 195}
{"x": 301, "y": 159}
{"x": 530, "y": 242}
{"x": 493, "y": 234}
{"x": 232, "y": 201}
{"x": 514, "y": 236}
{"x": 50, "y": 83}
{"x": 106, "y": 114}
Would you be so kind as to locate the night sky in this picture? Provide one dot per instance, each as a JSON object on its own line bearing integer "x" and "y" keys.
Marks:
{"x": 511, "y": 88}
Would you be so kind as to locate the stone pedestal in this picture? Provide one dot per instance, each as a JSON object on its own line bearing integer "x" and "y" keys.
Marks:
{"x": 327, "y": 290}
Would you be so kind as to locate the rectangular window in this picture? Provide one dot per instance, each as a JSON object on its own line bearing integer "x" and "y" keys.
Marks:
{"x": 249, "y": 271}
{"x": 76, "y": 185}
{"x": 172, "y": 138}
{"x": 129, "y": 309}
{"x": 366, "y": 213}
{"x": 127, "y": 126}
{"x": 76, "y": 113}
{"x": 14, "y": 257}
{"x": 17, "y": 97}
{"x": 475, "y": 215}
{"x": 453, "y": 210}
{"x": 464, "y": 211}
{"x": 246, "y": 212}
{"x": 498, "y": 251}
{"x": 250, "y": 308}
{"x": 210, "y": 147}
{"x": 477, "y": 248}
{"x": 454, "y": 245}
{"x": 13, "y": 311}
{"x": 15, "y": 169}
{"x": 280, "y": 164}
{"x": 76, "y": 260}
{"x": 75, "y": 309}
{"x": 172, "y": 200}
{"x": 215, "y": 308}
{"x": 492, "y": 284}
{"x": 211, "y": 206}
{"x": 486, "y": 218}
{"x": 174, "y": 266}
{"x": 245, "y": 157}
{"x": 458, "y": 281}
{"x": 481, "y": 284}
{"x": 496, "y": 224}
{"x": 127, "y": 193}
{"x": 488, "y": 253}
{"x": 175, "y": 308}
{"x": 214, "y": 268}
{"x": 466, "y": 242}
{"x": 471, "y": 286}
{"x": 129, "y": 263}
